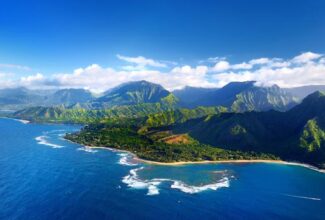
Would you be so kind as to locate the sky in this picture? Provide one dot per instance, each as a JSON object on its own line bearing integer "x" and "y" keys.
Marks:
{"x": 99, "y": 44}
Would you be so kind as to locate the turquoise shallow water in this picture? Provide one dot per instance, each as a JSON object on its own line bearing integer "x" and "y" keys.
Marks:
{"x": 43, "y": 176}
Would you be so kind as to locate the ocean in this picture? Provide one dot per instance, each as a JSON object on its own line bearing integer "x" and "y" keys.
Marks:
{"x": 43, "y": 176}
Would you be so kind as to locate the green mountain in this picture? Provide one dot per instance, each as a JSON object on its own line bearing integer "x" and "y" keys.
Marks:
{"x": 133, "y": 93}
{"x": 236, "y": 96}
{"x": 18, "y": 98}
{"x": 135, "y": 99}
{"x": 298, "y": 134}
{"x": 68, "y": 97}
{"x": 239, "y": 97}
{"x": 62, "y": 114}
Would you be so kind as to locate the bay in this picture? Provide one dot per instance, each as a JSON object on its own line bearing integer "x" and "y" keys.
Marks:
{"x": 43, "y": 176}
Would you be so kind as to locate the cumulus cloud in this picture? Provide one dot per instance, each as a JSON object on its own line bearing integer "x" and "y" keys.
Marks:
{"x": 304, "y": 69}
{"x": 221, "y": 66}
{"x": 259, "y": 61}
{"x": 306, "y": 57}
{"x": 98, "y": 78}
{"x": 32, "y": 78}
{"x": 243, "y": 65}
{"x": 298, "y": 71}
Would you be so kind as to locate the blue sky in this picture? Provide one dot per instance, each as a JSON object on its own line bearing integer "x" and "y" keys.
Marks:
{"x": 57, "y": 37}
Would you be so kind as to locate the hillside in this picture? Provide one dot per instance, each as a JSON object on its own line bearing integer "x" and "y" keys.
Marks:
{"x": 61, "y": 114}
{"x": 180, "y": 115}
{"x": 297, "y": 134}
{"x": 160, "y": 147}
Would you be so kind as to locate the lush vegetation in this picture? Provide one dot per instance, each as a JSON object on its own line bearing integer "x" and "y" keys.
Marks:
{"x": 153, "y": 147}
{"x": 313, "y": 136}
{"x": 181, "y": 115}
{"x": 61, "y": 114}
{"x": 154, "y": 114}
{"x": 263, "y": 99}
{"x": 298, "y": 134}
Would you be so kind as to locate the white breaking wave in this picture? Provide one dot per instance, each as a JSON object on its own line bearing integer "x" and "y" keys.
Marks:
{"x": 21, "y": 121}
{"x": 133, "y": 181}
{"x": 224, "y": 182}
{"x": 87, "y": 149}
{"x": 124, "y": 160}
{"x": 42, "y": 140}
{"x": 24, "y": 121}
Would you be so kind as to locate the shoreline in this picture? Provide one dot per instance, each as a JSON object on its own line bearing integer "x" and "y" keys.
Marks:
{"x": 282, "y": 162}
{"x": 181, "y": 163}
{"x": 20, "y": 120}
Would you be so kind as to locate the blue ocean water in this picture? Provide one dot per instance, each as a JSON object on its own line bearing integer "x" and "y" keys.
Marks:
{"x": 43, "y": 176}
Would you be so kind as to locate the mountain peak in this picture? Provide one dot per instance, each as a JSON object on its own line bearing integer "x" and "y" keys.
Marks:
{"x": 244, "y": 83}
{"x": 134, "y": 92}
{"x": 139, "y": 82}
{"x": 313, "y": 104}
{"x": 314, "y": 96}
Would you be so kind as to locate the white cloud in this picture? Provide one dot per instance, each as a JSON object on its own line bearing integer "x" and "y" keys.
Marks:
{"x": 141, "y": 61}
{"x": 212, "y": 60}
{"x": 259, "y": 61}
{"x": 243, "y": 65}
{"x": 304, "y": 69}
{"x": 36, "y": 77}
{"x": 32, "y": 80}
{"x": 322, "y": 60}
{"x": 221, "y": 66}
{"x": 99, "y": 79}
{"x": 284, "y": 74}
{"x": 306, "y": 57}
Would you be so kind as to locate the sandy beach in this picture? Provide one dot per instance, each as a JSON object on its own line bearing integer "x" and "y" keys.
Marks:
{"x": 231, "y": 161}
{"x": 180, "y": 163}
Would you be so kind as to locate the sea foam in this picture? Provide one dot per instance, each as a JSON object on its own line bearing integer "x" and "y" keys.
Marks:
{"x": 133, "y": 181}
{"x": 87, "y": 149}
{"x": 125, "y": 160}
{"x": 23, "y": 121}
{"x": 42, "y": 140}
{"x": 224, "y": 182}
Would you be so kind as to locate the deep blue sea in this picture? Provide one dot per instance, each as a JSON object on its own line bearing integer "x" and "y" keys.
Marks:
{"x": 42, "y": 176}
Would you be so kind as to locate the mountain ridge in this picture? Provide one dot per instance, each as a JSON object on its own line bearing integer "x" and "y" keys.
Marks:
{"x": 240, "y": 97}
{"x": 289, "y": 134}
